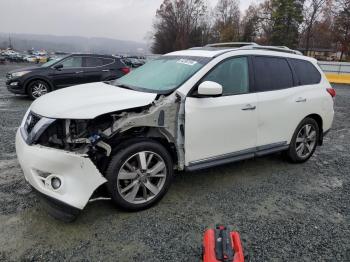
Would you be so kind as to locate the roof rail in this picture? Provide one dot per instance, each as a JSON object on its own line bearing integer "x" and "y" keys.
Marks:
{"x": 231, "y": 44}
{"x": 283, "y": 49}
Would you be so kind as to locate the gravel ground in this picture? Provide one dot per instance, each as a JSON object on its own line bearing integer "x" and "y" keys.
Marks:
{"x": 284, "y": 212}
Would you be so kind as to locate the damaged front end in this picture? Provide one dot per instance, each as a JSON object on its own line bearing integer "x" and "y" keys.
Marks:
{"x": 66, "y": 159}
{"x": 99, "y": 137}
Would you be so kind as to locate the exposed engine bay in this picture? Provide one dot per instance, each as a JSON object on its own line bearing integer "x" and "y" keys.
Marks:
{"x": 99, "y": 137}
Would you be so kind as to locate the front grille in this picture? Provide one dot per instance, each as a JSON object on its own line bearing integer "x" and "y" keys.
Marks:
{"x": 31, "y": 121}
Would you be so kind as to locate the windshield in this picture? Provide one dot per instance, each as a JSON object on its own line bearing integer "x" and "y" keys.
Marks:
{"x": 162, "y": 75}
{"x": 51, "y": 62}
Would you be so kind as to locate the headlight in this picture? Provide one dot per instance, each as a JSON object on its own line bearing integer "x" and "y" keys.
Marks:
{"x": 19, "y": 74}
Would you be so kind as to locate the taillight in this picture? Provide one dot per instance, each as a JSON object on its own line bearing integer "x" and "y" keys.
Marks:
{"x": 125, "y": 70}
{"x": 331, "y": 91}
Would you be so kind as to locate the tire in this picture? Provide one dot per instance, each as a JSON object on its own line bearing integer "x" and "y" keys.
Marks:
{"x": 304, "y": 141}
{"x": 37, "y": 88}
{"x": 139, "y": 175}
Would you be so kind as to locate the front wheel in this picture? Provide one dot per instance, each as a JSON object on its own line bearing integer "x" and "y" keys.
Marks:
{"x": 37, "y": 89}
{"x": 139, "y": 175}
{"x": 304, "y": 141}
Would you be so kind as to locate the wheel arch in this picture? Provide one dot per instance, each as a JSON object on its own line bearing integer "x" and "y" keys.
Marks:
{"x": 319, "y": 122}
{"x": 29, "y": 81}
{"x": 137, "y": 134}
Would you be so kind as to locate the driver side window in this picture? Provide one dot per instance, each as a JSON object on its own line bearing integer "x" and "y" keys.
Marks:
{"x": 232, "y": 74}
{"x": 72, "y": 62}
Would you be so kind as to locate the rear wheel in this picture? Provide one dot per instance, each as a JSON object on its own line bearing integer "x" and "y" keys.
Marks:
{"x": 139, "y": 175}
{"x": 304, "y": 141}
{"x": 37, "y": 89}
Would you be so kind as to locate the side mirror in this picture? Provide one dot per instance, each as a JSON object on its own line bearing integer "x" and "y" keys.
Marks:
{"x": 209, "y": 88}
{"x": 58, "y": 67}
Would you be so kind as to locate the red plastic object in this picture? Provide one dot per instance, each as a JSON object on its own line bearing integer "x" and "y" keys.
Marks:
{"x": 213, "y": 246}
{"x": 125, "y": 70}
{"x": 331, "y": 91}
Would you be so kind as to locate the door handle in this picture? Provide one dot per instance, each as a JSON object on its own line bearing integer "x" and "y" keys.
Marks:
{"x": 300, "y": 99}
{"x": 248, "y": 107}
{"x": 105, "y": 70}
{"x": 78, "y": 72}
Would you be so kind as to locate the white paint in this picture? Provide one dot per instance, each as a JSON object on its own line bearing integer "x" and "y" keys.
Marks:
{"x": 88, "y": 101}
{"x": 79, "y": 175}
{"x": 218, "y": 125}
{"x": 209, "y": 88}
{"x": 214, "y": 126}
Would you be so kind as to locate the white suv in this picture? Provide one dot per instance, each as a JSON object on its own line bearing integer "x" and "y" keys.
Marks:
{"x": 186, "y": 110}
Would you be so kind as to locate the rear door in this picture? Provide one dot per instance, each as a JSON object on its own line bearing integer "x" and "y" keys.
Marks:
{"x": 280, "y": 104}
{"x": 93, "y": 69}
{"x": 217, "y": 128}
{"x": 70, "y": 74}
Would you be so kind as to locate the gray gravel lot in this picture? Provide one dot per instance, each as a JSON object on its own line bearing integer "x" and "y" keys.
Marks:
{"x": 284, "y": 212}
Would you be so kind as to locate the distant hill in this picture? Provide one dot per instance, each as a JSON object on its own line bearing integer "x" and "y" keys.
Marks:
{"x": 72, "y": 44}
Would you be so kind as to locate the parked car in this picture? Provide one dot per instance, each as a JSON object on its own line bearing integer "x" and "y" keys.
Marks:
{"x": 2, "y": 60}
{"x": 133, "y": 62}
{"x": 30, "y": 58}
{"x": 17, "y": 58}
{"x": 67, "y": 71}
{"x": 186, "y": 110}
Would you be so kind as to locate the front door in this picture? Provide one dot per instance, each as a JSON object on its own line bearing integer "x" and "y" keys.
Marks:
{"x": 70, "y": 74}
{"x": 220, "y": 127}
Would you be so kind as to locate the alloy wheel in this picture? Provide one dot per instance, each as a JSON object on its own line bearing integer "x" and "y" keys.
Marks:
{"x": 141, "y": 177}
{"x": 39, "y": 89}
{"x": 305, "y": 141}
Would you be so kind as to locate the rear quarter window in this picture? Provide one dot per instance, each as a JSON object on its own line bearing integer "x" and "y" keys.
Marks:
{"x": 107, "y": 61}
{"x": 272, "y": 73}
{"x": 306, "y": 72}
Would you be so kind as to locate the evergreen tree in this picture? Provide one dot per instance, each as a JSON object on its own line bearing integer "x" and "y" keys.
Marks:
{"x": 287, "y": 15}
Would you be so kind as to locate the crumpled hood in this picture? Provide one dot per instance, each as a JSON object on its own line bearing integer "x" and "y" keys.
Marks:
{"x": 88, "y": 101}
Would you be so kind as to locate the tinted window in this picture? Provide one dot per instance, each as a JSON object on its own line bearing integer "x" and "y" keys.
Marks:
{"x": 272, "y": 73}
{"x": 306, "y": 72}
{"x": 106, "y": 61}
{"x": 232, "y": 74}
{"x": 72, "y": 62}
{"x": 93, "y": 61}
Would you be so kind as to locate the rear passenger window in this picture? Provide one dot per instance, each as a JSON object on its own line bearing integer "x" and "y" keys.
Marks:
{"x": 232, "y": 74}
{"x": 272, "y": 73}
{"x": 306, "y": 72}
{"x": 107, "y": 61}
{"x": 93, "y": 61}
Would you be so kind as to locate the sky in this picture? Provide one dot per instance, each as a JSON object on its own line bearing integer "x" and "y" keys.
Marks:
{"x": 119, "y": 19}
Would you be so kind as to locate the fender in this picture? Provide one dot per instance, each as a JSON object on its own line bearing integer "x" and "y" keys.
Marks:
{"x": 40, "y": 77}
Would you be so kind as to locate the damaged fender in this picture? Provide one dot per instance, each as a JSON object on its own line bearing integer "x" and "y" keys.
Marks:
{"x": 166, "y": 114}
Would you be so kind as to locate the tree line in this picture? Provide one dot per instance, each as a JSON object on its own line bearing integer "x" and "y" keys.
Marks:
{"x": 306, "y": 24}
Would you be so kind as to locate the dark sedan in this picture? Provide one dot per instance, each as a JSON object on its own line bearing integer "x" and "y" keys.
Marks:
{"x": 62, "y": 72}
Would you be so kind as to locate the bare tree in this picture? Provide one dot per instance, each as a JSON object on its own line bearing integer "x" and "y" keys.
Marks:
{"x": 312, "y": 11}
{"x": 227, "y": 17}
{"x": 342, "y": 26}
{"x": 178, "y": 24}
{"x": 250, "y": 24}
{"x": 265, "y": 24}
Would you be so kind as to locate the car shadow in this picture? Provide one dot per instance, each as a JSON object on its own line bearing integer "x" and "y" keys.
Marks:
{"x": 185, "y": 183}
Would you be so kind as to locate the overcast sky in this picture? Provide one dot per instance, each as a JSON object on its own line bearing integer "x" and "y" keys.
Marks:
{"x": 120, "y": 19}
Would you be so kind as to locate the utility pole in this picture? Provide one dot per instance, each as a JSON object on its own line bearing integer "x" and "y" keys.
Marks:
{"x": 10, "y": 43}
